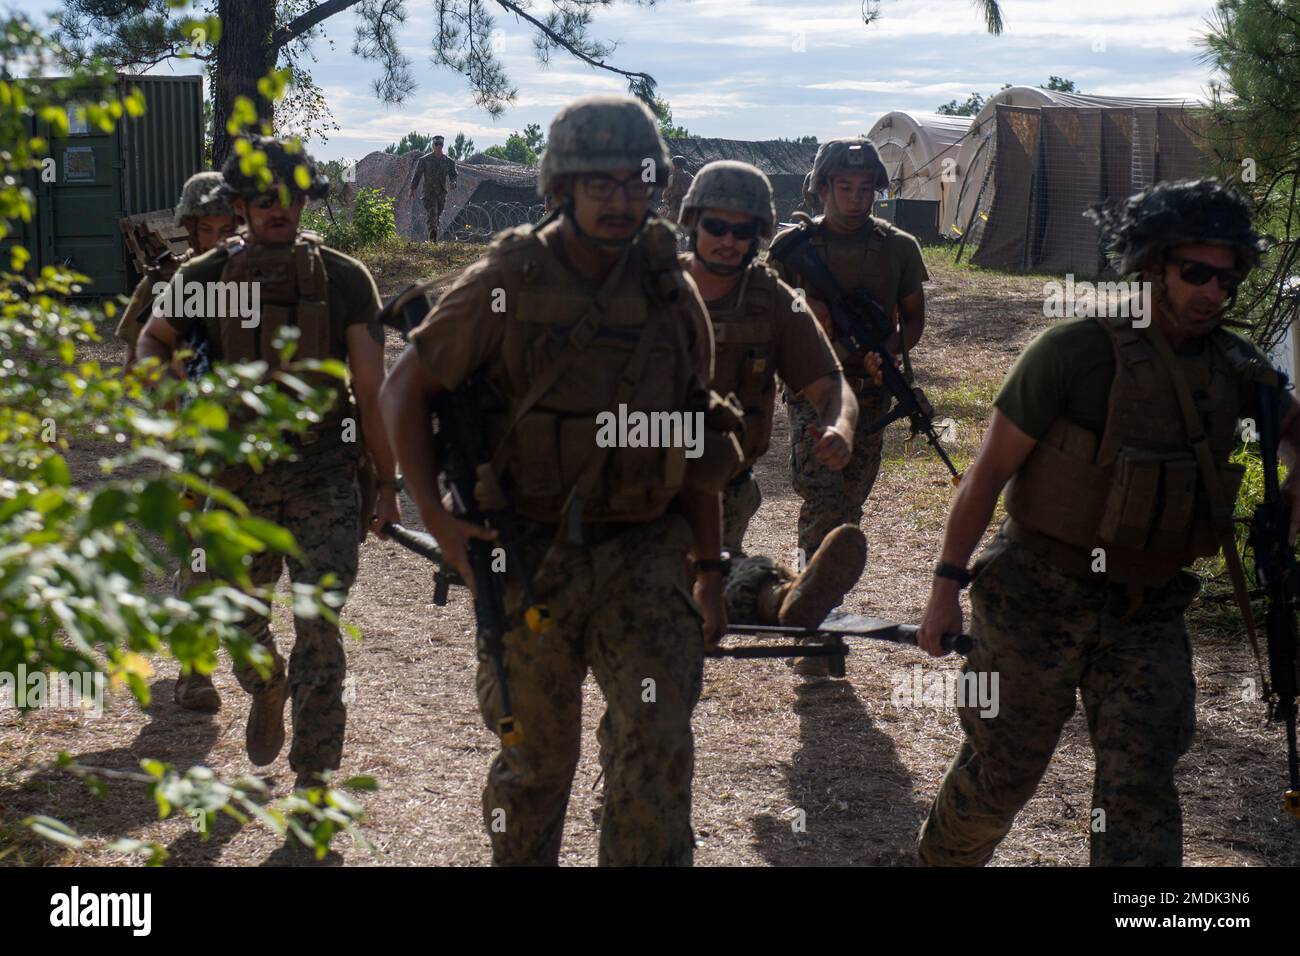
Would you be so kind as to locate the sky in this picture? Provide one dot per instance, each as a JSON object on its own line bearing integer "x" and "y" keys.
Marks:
{"x": 762, "y": 69}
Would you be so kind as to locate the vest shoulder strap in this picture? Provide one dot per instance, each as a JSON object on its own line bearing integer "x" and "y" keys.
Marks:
{"x": 1132, "y": 348}
{"x": 1242, "y": 359}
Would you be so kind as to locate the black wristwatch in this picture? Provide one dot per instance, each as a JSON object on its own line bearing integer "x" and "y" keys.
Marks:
{"x": 954, "y": 573}
{"x": 397, "y": 483}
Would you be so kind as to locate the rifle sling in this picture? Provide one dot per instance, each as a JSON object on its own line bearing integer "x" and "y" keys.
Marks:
{"x": 1220, "y": 510}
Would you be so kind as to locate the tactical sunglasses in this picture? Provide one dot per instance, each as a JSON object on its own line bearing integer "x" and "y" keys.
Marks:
{"x": 743, "y": 231}
{"x": 1199, "y": 273}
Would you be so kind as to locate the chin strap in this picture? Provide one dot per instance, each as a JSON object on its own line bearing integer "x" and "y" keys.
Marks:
{"x": 717, "y": 268}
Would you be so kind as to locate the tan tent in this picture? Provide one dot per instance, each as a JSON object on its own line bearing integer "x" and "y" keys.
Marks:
{"x": 920, "y": 151}
{"x": 1034, "y": 160}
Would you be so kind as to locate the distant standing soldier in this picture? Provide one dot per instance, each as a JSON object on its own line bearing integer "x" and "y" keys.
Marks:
{"x": 332, "y": 300}
{"x": 205, "y": 212}
{"x": 760, "y": 332}
{"x": 438, "y": 172}
{"x": 1112, "y": 437}
{"x": 570, "y": 322}
{"x": 862, "y": 252}
{"x": 679, "y": 183}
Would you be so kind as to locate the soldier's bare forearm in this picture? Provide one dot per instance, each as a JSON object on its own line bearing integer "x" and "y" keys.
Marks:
{"x": 405, "y": 404}
{"x": 836, "y": 405}
{"x": 1004, "y": 451}
{"x": 376, "y": 437}
{"x": 703, "y": 510}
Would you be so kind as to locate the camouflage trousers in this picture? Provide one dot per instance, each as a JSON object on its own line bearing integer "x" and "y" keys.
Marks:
{"x": 832, "y": 498}
{"x": 622, "y": 608}
{"x": 749, "y": 573}
{"x": 434, "y": 203}
{"x": 1046, "y": 635}
{"x": 319, "y": 503}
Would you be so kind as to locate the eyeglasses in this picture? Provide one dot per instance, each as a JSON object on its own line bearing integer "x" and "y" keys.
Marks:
{"x": 1199, "y": 273}
{"x": 743, "y": 231}
{"x": 602, "y": 188}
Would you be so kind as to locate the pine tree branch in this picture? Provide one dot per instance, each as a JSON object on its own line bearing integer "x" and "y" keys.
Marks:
{"x": 301, "y": 24}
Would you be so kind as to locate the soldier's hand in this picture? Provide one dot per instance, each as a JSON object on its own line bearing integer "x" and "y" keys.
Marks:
{"x": 708, "y": 595}
{"x": 942, "y": 616}
{"x": 453, "y": 536}
{"x": 832, "y": 449}
{"x": 388, "y": 510}
{"x": 871, "y": 362}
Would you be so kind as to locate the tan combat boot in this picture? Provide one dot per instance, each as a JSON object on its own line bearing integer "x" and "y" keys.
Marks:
{"x": 195, "y": 691}
{"x": 830, "y": 575}
{"x": 265, "y": 736}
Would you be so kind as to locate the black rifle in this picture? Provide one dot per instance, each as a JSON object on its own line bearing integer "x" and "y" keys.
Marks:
{"x": 1276, "y": 572}
{"x": 460, "y": 442}
{"x": 860, "y": 322}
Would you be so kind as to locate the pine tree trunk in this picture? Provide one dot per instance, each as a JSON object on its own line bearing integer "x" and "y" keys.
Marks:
{"x": 245, "y": 53}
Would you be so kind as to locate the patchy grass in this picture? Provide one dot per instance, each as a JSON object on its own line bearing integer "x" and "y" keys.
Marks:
{"x": 399, "y": 263}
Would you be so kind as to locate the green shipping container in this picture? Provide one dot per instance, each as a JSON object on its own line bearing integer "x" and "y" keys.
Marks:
{"x": 97, "y": 179}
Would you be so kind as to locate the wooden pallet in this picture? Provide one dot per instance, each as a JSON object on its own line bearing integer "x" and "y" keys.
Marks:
{"x": 150, "y": 234}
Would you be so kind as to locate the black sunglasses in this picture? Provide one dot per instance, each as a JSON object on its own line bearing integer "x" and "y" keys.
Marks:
{"x": 744, "y": 231}
{"x": 1199, "y": 273}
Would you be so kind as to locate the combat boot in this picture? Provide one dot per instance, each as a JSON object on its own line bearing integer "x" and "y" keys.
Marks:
{"x": 830, "y": 575}
{"x": 195, "y": 691}
{"x": 265, "y": 736}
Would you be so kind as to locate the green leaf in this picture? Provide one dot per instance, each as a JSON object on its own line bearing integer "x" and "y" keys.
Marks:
{"x": 109, "y": 506}
{"x": 56, "y": 831}
{"x": 55, "y": 472}
{"x": 271, "y": 534}
{"x": 207, "y": 414}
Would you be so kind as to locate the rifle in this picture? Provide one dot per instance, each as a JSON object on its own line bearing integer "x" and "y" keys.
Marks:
{"x": 860, "y": 322}
{"x": 1276, "y": 573}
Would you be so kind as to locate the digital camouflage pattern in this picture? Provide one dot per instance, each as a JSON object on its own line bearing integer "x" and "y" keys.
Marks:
{"x": 203, "y": 195}
{"x": 601, "y": 134}
{"x": 438, "y": 173}
{"x": 1046, "y": 634}
{"x": 641, "y": 638}
{"x": 731, "y": 185}
{"x": 836, "y": 156}
{"x": 832, "y": 498}
{"x": 317, "y": 500}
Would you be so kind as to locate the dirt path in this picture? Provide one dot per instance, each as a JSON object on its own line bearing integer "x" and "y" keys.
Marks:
{"x": 861, "y": 769}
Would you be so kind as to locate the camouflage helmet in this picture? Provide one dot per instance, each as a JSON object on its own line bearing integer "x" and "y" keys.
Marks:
{"x": 1170, "y": 213}
{"x": 283, "y": 157}
{"x": 734, "y": 186}
{"x": 855, "y": 155}
{"x": 599, "y": 134}
{"x": 203, "y": 195}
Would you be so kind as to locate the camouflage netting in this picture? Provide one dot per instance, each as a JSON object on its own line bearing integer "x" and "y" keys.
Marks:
{"x": 785, "y": 164}
{"x": 484, "y": 182}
